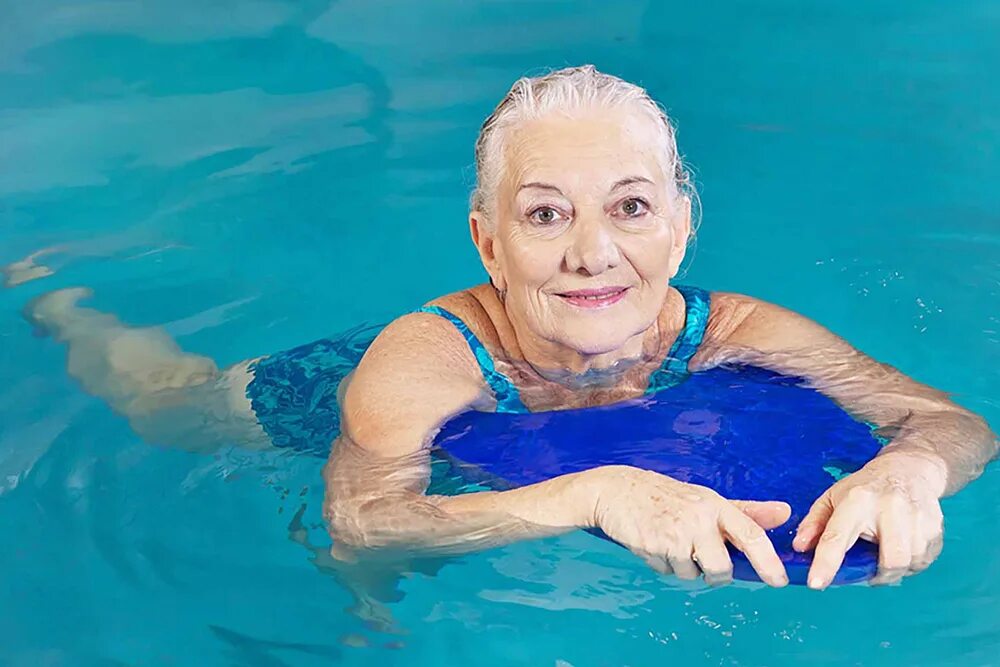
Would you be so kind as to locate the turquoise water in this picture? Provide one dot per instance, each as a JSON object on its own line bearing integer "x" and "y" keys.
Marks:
{"x": 252, "y": 175}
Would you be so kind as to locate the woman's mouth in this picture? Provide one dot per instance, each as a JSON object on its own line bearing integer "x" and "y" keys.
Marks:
{"x": 599, "y": 297}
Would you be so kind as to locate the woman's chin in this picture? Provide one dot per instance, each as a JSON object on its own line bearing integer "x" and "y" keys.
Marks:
{"x": 606, "y": 333}
{"x": 595, "y": 343}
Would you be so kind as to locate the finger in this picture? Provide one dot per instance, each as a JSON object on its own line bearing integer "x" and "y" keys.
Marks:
{"x": 895, "y": 541}
{"x": 657, "y": 563}
{"x": 839, "y": 535}
{"x": 684, "y": 567}
{"x": 928, "y": 547}
{"x": 923, "y": 560}
{"x": 813, "y": 524}
{"x": 713, "y": 558}
{"x": 767, "y": 514}
{"x": 751, "y": 539}
{"x": 928, "y": 525}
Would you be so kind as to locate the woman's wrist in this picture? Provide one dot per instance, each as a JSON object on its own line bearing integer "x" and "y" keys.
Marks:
{"x": 915, "y": 465}
{"x": 565, "y": 502}
{"x": 589, "y": 490}
{"x": 578, "y": 498}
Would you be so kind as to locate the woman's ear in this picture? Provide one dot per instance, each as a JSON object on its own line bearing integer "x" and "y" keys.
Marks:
{"x": 482, "y": 237}
{"x": 682, "y": 234}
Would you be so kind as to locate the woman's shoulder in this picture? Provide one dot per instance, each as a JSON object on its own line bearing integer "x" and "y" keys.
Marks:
{"x": 751, "y": 322}
{"x": 475, "y": 306}
{"x": 730, "y": 315}
{"x": 417, "y": 371}
{"x": 729, "y": 311}
{"x": 432, "y": 336}
{"x": 478, "y": 309}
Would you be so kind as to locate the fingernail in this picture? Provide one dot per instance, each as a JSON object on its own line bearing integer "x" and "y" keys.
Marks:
{"x": 816, "y": 582}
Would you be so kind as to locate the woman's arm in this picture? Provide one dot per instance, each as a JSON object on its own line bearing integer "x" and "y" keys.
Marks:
{"x": 936, "y": 446}
{"x": 415, "y": 376}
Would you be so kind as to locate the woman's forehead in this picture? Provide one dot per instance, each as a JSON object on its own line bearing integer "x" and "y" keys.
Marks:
{"x": 598, "y": 148}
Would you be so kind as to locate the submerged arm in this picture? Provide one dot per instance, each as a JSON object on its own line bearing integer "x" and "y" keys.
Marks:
{"x": 916, "y": 418}
{"x": 376, "y": 503}
{"x": 415, "y": 376}
{"x": 936, "y": 446}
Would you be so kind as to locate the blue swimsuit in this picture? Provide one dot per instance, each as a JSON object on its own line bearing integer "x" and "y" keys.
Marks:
{"x": 294, "y": 393}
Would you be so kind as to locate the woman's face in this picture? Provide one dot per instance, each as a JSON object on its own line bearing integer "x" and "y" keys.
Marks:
{"x": 588, "y": 229}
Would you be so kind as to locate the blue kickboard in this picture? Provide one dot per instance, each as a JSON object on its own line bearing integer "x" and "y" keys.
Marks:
{"x": 747, "y": 433}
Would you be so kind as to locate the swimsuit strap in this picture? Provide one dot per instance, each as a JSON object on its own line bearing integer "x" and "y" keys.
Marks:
{"x": 697, "y": 304}
{"x": 508, "y": 400}
{"x": 673, "y": 371}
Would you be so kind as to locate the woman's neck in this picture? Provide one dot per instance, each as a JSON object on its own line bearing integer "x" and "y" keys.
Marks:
{"x": 561, "y": 364}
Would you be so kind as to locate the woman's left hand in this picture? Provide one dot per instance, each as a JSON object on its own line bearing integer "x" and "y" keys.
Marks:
{"x": 892, "y": 501}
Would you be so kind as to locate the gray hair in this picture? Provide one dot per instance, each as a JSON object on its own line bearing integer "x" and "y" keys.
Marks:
{"x": 563, "y": 90}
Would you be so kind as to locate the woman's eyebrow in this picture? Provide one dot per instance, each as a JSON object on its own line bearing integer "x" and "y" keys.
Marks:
{"x": 620, "y": 184}
{"x": 629, "y": 181}
{"x": 539, "y": 186}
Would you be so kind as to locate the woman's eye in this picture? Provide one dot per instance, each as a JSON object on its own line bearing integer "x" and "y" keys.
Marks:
{"x": 544, "y": 215}
{"x": 633, "y": 208}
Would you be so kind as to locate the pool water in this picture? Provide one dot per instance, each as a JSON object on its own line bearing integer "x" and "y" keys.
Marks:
{"x": 254, "y": 174}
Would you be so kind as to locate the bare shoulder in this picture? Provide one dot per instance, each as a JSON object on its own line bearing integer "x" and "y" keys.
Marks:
{"x": 743, "y": 328}
{"x": 416, "y": 374}
{"x": 481, "y": 311}
{"x": 728, "y": 313}
{"x": 743, "y": 320}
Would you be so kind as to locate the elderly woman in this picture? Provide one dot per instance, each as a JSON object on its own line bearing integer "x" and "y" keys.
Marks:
{"x": 581, "y": 217}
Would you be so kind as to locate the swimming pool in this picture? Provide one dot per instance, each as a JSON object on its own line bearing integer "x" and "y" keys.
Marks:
{"x": 258, "y": 174}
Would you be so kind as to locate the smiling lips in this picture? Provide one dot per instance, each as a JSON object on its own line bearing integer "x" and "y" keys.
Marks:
{"x": 600, "y": 297}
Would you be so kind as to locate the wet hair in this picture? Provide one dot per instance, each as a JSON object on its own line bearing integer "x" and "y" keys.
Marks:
{"x": 566, "y": 90}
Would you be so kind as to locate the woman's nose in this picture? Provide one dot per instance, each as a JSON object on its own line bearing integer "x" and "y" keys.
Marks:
{"x": 592, "y": 250}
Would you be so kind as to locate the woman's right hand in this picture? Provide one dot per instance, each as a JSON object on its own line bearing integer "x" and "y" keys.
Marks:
{"x": 682, "y": 528}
